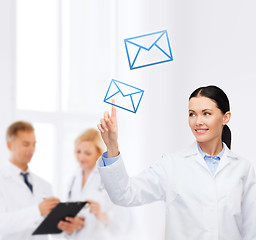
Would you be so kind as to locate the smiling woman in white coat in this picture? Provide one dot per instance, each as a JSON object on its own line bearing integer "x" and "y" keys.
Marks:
{"x": 210, "y": 192}
{"x": 101, "y": 218}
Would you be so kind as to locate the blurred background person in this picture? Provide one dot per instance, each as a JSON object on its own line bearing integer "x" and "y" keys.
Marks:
{"x": 100, "y": 219}
{"x": 24, "y": 197}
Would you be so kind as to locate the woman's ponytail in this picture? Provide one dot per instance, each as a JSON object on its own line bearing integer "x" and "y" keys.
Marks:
{"x": 226, "y": 136}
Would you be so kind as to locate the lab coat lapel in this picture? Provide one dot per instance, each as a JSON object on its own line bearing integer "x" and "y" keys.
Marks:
{"x": 227, "y": 157}
{"x": 37, "y": 188}
{"x": 193, "y": 153}
{"x": 12, "y": 172}
{"x": 90, "y": 180}
{"x": 224, "y": 161}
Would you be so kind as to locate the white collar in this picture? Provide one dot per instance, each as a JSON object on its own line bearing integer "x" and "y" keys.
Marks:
{"x": 192, "y": 150}
{"x": 12, "y": 170}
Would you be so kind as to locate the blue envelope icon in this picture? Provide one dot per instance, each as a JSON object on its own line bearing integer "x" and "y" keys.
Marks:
{"x": 149, "y": 49}
{"x": 126, "y": 96}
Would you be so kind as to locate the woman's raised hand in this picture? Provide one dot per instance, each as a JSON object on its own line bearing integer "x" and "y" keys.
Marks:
{"x": 109, "y": 132}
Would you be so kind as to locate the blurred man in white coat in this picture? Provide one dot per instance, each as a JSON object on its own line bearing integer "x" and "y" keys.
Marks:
{"x": 25, "y": 199}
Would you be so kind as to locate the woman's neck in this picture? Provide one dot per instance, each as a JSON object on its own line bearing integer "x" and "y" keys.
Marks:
{"x": 212, "y": 148}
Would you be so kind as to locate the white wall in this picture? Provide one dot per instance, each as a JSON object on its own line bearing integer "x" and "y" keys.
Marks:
{"x": 7, "y": 69}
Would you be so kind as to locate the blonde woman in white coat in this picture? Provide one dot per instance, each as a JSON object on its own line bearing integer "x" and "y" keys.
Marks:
{"x": 99, "y": 219}
{"x": 210, "y": 192}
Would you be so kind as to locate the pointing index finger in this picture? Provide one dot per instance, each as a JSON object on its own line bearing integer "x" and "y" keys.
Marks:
{"x": 113, "y": 110}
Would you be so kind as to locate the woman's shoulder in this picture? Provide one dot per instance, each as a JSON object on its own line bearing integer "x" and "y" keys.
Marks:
{"x": 242, "y": 161}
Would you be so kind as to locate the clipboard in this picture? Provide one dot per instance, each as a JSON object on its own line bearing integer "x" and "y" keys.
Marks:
{"x": 62, "y": 210}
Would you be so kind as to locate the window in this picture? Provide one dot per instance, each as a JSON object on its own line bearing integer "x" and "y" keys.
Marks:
{"x": 63, "y": 70}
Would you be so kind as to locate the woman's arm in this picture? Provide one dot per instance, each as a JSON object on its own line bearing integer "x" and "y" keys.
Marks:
{"x": 123, "y": 190}
{"x": 249, "y": 206}
{"x": 144, "y": 188}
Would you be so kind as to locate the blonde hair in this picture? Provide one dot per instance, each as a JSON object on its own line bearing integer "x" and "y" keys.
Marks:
{"x": 92, "y": 135}
{"x": 13, "y": 129}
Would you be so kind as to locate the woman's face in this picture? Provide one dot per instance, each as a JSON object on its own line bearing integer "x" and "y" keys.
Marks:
{"x": 206, "y": 120}
{"x": 86, "y": 154}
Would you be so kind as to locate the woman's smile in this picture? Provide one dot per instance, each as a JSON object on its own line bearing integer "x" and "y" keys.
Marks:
{"x": 201, "y": 130}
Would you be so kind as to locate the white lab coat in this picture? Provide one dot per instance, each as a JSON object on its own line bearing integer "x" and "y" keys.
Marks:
{"x": 199, "y": 206}
{"x": 94, "y": 190}
{"x": 19, "y": 212}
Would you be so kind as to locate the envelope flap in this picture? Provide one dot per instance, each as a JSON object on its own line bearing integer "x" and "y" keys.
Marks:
{"x": 136, "y": 98}
{"x": 146, "y": 41}
{"x": 127, "y": 89}
{"x": 164, "y": 45}
{"x": 112, "y": 90}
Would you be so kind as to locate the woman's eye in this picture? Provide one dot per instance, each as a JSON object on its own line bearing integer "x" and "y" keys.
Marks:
{"x": 207, "y": 114}
{"x": 191, "y": 114}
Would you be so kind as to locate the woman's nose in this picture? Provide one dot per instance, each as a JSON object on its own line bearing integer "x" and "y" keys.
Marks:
{"x": 199, "y": 121}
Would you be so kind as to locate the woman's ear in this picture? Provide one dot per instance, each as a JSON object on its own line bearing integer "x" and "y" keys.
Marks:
{"x": 226, "y": 118}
